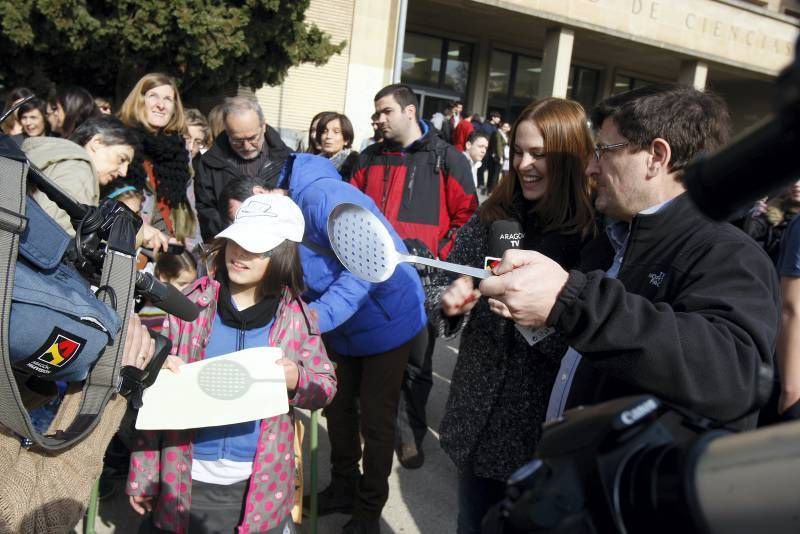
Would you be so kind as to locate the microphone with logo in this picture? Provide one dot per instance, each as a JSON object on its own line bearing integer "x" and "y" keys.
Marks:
{"x": 503, "y": 235}
{"x": 506, "y": 234}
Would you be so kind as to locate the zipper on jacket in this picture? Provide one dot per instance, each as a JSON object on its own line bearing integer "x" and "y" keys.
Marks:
{"x": 410, "y": 182}
{"x": 386, "y": 175}
{"x": 629, "y": 242}
{"x": 240, "y": 340}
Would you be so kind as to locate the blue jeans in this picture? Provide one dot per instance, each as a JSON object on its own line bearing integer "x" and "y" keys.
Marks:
{"x": 475, "y": 496}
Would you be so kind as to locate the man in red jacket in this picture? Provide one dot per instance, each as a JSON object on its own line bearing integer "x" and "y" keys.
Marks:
{"x": 462, "y": 132}
{"x": 424, "y": 187}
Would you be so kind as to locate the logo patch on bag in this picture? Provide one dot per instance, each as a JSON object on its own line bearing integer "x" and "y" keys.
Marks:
{"x": 61, "y": 349}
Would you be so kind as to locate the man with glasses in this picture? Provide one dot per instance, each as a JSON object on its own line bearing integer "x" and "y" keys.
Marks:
{"x": 668, "y": 303}
{"x": 247, "y": 147}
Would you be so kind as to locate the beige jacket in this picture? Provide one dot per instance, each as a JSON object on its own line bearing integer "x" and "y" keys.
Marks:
{"x": 69, "y": 166}
{"x": 49, "y": 492}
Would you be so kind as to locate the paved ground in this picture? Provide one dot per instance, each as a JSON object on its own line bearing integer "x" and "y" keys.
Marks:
{"x": 420, "y": 501}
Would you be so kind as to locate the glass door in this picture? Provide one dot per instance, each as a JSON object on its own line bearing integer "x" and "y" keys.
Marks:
{"x": 433, "y": 102}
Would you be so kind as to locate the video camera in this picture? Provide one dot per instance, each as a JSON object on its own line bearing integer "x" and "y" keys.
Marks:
{"x": 110, "y": 226}
{"x": 636, "y": 465}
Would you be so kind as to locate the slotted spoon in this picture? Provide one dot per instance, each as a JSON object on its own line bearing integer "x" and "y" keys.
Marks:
{"x": 365, "y": 247}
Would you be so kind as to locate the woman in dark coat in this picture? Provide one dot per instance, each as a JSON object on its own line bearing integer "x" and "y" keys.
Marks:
{"x": 501, "y": 383}
{"x": 334, "y": 137}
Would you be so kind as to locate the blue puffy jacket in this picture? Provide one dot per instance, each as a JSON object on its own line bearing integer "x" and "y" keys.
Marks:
{"x": 359, "y": 318}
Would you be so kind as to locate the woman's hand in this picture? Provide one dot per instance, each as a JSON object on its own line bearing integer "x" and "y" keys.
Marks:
{"x": 460, "y": 297}
{"x": 760, "y": 206}
{"x": 141, "y": 504}
{"x": 291, "y": 372}
{"x": 151, "y": 238}
{"x": 139, "y": 346}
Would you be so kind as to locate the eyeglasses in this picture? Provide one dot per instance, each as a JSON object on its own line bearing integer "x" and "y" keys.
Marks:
{"x": 196, "y": 143}
{"x": 599, "y": 149}
{"x": 252, "y": 140}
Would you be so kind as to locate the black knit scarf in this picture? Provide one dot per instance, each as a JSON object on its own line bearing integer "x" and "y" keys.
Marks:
{"x": 170, "y": 165}
{"x": 256, "y": 316}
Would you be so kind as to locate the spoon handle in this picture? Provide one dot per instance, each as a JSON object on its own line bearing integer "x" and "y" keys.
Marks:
{"x": 447, "y": 266}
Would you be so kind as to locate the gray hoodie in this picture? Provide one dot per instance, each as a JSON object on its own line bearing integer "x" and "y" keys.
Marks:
{"x": 70, "y": 167}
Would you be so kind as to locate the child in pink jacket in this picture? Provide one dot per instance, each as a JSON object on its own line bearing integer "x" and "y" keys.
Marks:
{"x": 238, "y": 477}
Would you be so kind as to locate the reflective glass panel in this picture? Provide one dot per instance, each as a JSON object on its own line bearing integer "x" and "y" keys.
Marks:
{"x": 584, "y": 84}
{"x": 526, "y": 83}
{"x": 422, "y": 59}
{"x": 456, "y": 76}
{"x": 499, "y": 75}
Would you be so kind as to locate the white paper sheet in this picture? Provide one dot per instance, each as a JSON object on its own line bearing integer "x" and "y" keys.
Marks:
{"x": 242, "y": 386}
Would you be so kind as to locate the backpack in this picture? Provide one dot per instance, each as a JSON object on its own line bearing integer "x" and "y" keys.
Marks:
{"x": 440, "y": 168}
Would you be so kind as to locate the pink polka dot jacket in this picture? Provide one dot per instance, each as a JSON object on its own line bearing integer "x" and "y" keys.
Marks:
{"x": 161, "y": 461}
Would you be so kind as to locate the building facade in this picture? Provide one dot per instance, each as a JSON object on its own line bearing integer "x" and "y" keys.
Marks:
{"x": 502, "y": 54}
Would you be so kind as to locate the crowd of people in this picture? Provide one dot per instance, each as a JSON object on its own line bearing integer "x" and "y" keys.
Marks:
{"x": 614, "y": 285}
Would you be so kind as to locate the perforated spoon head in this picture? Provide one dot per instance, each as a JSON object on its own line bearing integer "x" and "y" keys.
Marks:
{"x": 362, "y": 243}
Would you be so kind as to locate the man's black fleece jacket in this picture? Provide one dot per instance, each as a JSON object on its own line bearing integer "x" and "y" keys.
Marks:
{"x": 693, "y": 313}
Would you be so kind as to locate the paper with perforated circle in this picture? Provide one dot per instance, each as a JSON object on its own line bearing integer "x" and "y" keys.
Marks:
{"x": 242, "y": 386}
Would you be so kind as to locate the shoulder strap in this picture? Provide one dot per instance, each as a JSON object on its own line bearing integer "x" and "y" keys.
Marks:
{"x": 440, "y": 161}
{"x": 118, "y": 274}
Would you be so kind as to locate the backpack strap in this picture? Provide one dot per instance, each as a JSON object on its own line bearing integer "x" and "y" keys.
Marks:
{"x": 118, "y": 275}
{"x": 440, "y": 161}
{"x": 12, "y": 224}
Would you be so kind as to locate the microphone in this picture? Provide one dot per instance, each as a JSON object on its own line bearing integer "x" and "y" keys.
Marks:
{"x": 166, "y": 297}
{"x": 506, "y": 234}
{"x": 503, "y": 235}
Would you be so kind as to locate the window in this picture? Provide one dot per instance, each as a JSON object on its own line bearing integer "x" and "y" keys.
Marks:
{"x": 583, "y": 86}
{"x": 513, "y": 83}
{"x": 456, "y": 72}
{"x": 436, "y": 64}
{"x": 627, "y": 83}
{"x": 526, "y": 81}
{"x": 499, "y": 75}
{"x": 422, "y": 62}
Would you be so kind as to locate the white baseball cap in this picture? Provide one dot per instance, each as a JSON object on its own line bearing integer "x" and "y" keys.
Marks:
{"x": 265, "y": 221}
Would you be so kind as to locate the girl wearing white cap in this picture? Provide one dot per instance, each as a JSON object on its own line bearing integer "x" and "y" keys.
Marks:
{"x": 238, "y": 475}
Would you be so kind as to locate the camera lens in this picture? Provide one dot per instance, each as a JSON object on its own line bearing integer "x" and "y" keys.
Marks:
{"x": 650, "y": 494}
